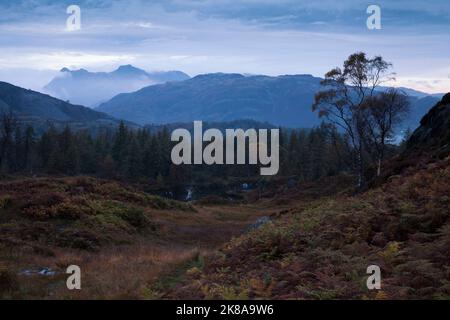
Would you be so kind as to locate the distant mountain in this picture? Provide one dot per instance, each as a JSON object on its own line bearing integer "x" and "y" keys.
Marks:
{"x": 40, "y": 110}
{"x": 284, "y": 100}
{"x": 221, "y": 97}
{"x": 92, "y": 88}
{"x": 415, "y": 93}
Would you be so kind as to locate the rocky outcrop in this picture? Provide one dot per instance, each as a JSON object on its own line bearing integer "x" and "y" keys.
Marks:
{"x": 430, "y": 143}
{"x": 433, "y": 135}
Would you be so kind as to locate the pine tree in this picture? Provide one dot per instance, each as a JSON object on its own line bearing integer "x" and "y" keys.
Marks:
{"x": 120, "y": 149}
{"x": 29, "y": 149}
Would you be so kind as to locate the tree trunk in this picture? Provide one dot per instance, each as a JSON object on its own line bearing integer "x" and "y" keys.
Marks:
{"x": 379, "y": 167}
{"x": 360, "y": 168}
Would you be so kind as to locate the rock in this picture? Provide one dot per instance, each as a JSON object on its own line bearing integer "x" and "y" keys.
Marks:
{"x": 434, "y": 130}
{"x": 281, "y": 285}
{"x": 446, "y": 99}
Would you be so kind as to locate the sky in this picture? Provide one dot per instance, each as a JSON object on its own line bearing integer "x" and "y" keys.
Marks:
{"x": 271, "y": 37}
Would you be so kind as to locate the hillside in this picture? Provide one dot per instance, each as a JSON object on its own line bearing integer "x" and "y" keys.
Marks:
{"x": 429, "y": 143}
{"x": 129, "y": 244}
{"x": 92, "y": 88}
{"x": 433, "y": 135}
{"x": 39, "y": 109}
{"x": 284, "y": 100}
{"x": 320, "y": 247}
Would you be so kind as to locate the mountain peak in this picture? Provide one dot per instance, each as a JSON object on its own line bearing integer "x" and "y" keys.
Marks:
{"x": 75, "y": 72}
{"x": 126, "y": 67}
{"x": 129, "y": 69}
{"x": 77, "y": 85}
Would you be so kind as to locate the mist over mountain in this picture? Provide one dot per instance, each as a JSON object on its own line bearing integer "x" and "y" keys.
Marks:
{"x": 92, "y": 88}
{"x": 283, "y": 101}
{"x": 39, "y": 110}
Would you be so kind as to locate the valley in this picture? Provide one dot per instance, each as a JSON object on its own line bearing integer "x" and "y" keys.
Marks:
{"x": 108, "y": 198}
{"x": 224, "y": 158}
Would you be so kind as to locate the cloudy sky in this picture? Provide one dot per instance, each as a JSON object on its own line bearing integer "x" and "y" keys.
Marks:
{"x": 246, "y": 36}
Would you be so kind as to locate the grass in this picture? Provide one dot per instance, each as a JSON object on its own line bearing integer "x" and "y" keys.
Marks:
{"x": 129, "y": 244}
{"x": 321, "y": 249}
{"x": 133, "y": 245}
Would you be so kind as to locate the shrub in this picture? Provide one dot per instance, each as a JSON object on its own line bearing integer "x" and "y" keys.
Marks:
{"x": 224, "y": 292}
{"x": 78, "y": 239}
{"x": 135, "y": 217}
{"x": 5, "y": 201}
{"x": 150, "y": 294}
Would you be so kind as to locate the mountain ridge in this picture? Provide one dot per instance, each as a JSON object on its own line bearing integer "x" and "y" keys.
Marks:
{"x": 217, "y": 97}
{"x": 77, "y": 85}
{"x": 39, "y": 109}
